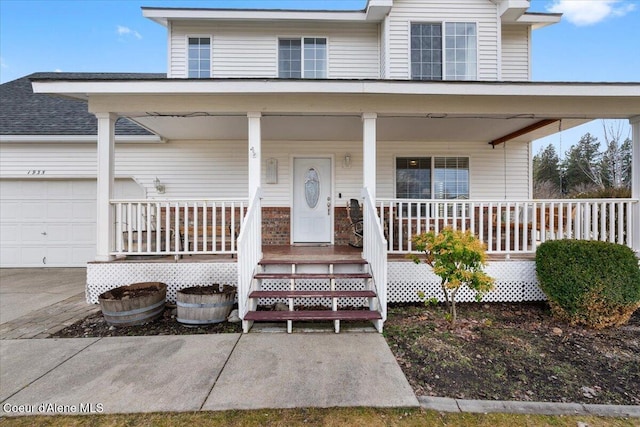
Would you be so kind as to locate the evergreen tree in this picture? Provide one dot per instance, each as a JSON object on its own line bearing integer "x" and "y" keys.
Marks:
{"x": 583, "y": 165}
{"x": 546, "y": 173}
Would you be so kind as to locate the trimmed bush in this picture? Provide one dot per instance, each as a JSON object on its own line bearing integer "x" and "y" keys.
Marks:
{"x": 596, "y": 284}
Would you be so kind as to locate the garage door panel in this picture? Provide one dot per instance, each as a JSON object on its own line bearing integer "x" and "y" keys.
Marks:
{"x": 82, "y": 255}
{"x": 33, "y": 210}
{"x": 57, "y": 254}
{"x": 10, "y": 233}
{"x": 84, "y": 211}
{"x": 10, "y": 256}
{"x": 64, "y": 209}
{"x": 84, "y": 233}
{"x": 9, "y": 210}
{"x": 31, "y": 256}
{"x": 31, "y": 233}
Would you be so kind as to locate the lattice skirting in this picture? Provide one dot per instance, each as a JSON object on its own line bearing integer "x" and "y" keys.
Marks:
{"x": 515, "y": 280}
{"x": 103, "y": 277}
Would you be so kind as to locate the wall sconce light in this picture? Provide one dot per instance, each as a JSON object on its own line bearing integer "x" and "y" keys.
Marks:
{"x": 158, "y": 186}
{"x": 346, "y": 162}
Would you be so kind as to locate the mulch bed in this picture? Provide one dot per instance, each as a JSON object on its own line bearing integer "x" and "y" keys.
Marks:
{"x": 514, "y": 352}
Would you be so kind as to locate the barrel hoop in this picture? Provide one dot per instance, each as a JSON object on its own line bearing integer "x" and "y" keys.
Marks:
{"x": 212, "y": 305}
{"x": 199, "y": 322}
{"x": 136, "y": 311}
{"x": 145, "y": 316}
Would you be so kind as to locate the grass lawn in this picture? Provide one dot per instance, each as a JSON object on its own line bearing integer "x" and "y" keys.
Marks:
{"x": 334, "y": 417}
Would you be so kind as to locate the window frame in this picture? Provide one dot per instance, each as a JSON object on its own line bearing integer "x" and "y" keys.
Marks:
{"x": 187, "y": 59}
{"x": 432, "y": 173}
{"x": 443, "y": 48}
{"x": 302, "y": 56}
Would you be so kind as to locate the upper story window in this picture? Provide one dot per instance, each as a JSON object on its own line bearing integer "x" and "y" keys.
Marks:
{"x": 302, "y": 58}
{"x": 199, "y": 57}
{"x": 444, "y": 51}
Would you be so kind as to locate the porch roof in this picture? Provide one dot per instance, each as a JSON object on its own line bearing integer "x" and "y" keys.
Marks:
{"x": 445, "y": 111}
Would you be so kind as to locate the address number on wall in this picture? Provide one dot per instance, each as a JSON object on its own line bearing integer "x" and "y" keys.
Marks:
{"x": 36, "y": 172}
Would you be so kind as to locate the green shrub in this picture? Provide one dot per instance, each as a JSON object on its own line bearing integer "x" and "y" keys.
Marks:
{"x": 596, "y": 284}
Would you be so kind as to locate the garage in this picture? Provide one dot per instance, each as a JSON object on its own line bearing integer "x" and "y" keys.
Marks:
{"x": 51, "y": 223}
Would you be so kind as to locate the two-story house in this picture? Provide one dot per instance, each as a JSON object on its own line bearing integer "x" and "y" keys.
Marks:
{"x": 271, "y": 121}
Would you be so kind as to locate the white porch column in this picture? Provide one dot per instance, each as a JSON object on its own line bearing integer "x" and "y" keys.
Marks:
{"x": 106, "y": 147}
{"x": 635, "y": 181}
{"x": 369, "y": 140}
{"x": 255, "y": 152}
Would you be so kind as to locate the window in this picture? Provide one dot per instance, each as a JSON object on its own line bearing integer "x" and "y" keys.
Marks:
{"x": 199, "y": 57}
{"x": 442, "y": 177}
{"x": 302, "y": 58}
{"x": 438, "y": 56}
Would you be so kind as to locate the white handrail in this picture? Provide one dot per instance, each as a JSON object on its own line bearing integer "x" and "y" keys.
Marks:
{"x": 249, "y": 254}
{"x": 375, "y": 253}
{"x": 510, "y": 227}
{"x": 176, "y": 226}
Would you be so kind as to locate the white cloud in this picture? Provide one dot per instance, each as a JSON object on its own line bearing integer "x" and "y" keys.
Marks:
{"x": 589, "y": 12}
{"x": 126, "y": 31}
{"x": 57, "y": 70}
{"x": 2, "y": 63}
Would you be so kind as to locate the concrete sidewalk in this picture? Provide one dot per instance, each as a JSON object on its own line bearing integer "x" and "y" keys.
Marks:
{"x": 199, "y": 372}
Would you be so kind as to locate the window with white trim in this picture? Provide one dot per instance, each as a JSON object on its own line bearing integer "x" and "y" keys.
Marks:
{"x": 302, "y": 58}
{"x": 432, "y": 177}
{"x": 199, "y": 57}
{"x": 444, "y": 51}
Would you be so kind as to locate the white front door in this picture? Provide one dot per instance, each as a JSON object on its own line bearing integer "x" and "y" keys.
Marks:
{"x": 312, "y": 204}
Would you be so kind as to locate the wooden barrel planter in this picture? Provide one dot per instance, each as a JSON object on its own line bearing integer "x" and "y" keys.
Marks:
{"x": 133, "y": 304}
{"x": 203, "y": 305}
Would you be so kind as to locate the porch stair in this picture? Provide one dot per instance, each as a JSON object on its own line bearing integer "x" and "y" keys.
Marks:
{"x": 327, "y": 274}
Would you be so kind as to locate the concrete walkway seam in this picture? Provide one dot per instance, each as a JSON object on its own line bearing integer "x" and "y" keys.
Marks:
{"x": 447, "y": 404}
{"x": 220, "y": 372}
{"x": 53, "y": 368}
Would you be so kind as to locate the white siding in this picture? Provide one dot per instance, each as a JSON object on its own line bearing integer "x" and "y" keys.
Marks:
{"x": 482, "y": 12}
{"x": 219, "y": 168}
{"x": 247, "y": 49}
{"x": 488, "y": 176}
{"x": 516, "y": 43}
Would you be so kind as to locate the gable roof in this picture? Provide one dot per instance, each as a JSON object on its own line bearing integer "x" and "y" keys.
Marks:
{"x": 23, "y": 112}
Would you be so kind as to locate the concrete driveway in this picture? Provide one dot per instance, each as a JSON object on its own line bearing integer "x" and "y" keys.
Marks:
{"x": 24, "y": 290}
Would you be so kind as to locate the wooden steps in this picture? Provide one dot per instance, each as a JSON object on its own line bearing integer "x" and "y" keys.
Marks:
{"x": 272, "y": 316}
{"x": 327, "y": 278}
{"x": 312, "y": 276}
{"x": 317, "y": 261}
{"x": 312, "y": 294}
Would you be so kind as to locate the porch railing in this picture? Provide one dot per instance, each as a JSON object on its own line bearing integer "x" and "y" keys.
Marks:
{"x": 249, "y": 253}
{"x": 375, "y": 253}
{"x": 509, "y": 226}
{"x": 177, "y": 227}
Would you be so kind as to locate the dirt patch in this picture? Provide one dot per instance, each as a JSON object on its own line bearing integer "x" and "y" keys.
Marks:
{"x": 96, "y": 326}
{"x": 136, "y": 290}
{"x": 214, "y": 289}
{"x": 514, "y": 352}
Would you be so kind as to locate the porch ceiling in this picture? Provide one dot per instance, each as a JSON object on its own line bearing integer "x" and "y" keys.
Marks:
{"x": 296, "y": 127}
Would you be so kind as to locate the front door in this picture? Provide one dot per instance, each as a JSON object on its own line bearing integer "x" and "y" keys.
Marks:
{"x": 312, "y": 204}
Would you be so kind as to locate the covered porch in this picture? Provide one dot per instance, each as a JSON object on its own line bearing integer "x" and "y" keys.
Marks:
{"x": 361, "y": 129}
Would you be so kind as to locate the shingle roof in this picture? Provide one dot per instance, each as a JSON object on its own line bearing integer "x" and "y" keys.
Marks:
{"x": 24, "y": 113}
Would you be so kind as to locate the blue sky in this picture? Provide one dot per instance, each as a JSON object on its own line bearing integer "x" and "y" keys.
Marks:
{"x": 596, "y": 41}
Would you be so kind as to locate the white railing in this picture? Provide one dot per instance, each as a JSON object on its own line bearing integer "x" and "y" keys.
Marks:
{"x": 249, "y": 254}
{"x": 375, "y": 253}
{"x": 510, "y": 226}
{"x": 176, "y": 227}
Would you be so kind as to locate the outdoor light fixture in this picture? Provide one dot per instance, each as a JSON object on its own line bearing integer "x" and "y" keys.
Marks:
{"x": 158, "y": 186}
{"x": 346, "y": 163}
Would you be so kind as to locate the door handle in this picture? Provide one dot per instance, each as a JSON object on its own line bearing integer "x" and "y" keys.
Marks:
{"x": 329, "y": 205}
{"x": 44, "y": 233}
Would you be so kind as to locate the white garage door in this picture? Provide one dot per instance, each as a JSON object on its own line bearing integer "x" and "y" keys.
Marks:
{"x": 51, "y": 223}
